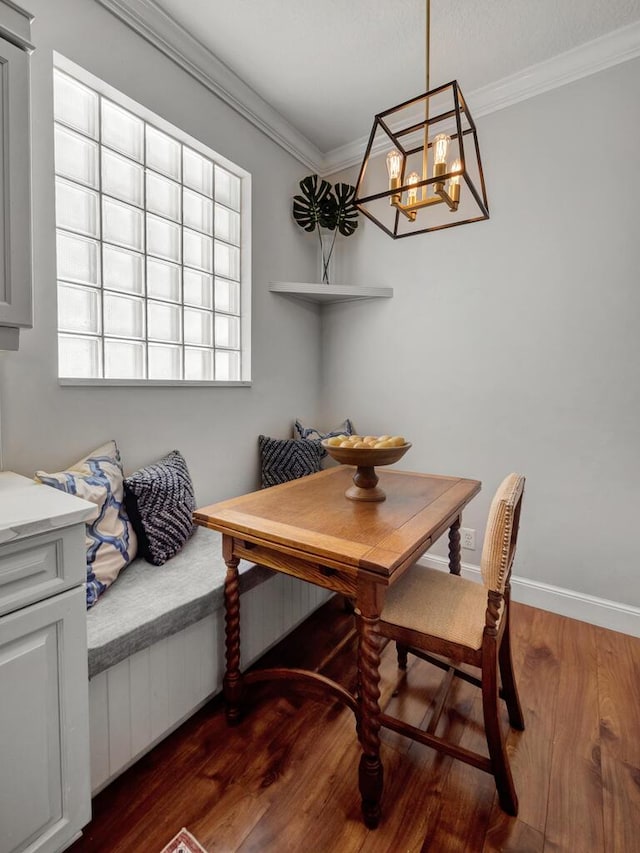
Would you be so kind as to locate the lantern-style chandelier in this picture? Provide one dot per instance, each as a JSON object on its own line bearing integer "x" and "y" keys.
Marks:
{"x": 422, "y": 169}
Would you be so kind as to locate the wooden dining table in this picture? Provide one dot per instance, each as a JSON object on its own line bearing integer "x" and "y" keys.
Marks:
{"x": 307, "y": 528}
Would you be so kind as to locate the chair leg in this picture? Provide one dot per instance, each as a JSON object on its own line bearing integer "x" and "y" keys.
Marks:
{"x": 505, "y": 658}
{"x": 509, "y": 688}
{"x": 497, "y": 752}
{"x": 403, "y": 654}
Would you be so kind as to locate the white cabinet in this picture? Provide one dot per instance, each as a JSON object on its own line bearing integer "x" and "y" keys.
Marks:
{"x": 44, "y": 718}
{"x": 44, "y": 781}
{"x": 15, "y": 189}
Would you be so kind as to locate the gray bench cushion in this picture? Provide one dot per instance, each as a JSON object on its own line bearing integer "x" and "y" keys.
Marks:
{"x": 149, "y": 602}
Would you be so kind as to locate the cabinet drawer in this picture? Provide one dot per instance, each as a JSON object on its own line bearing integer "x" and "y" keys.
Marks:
{"x": 41, "y": 566}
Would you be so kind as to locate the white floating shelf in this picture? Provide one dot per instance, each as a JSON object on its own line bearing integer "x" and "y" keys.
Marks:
{"x": 324, "y": 293}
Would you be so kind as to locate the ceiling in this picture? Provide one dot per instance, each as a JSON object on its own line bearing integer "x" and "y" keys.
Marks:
{"x": 327, "y": 66}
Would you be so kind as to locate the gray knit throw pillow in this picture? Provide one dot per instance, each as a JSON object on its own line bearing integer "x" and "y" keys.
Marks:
{"x": 284, "y": 459}
{"x": 160, "y": 503}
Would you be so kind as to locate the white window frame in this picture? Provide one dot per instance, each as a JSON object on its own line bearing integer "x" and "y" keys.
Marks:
{"x": 104, "y": 89}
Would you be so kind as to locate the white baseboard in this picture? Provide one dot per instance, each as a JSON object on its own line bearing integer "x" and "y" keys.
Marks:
{"x": 566, "y": 602}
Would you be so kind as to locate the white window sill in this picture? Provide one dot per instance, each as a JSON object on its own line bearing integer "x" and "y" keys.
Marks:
{"x": 155, "y": 383}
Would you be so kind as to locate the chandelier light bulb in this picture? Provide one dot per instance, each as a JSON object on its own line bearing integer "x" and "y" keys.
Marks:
{"x": 412, "y": 193}
{"x": 440, "y": 149}
{"x": 454, "y": 182}
{"x": 394, "y": 164}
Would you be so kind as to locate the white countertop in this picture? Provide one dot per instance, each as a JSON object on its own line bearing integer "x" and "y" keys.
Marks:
{"x": 28, "y": 508}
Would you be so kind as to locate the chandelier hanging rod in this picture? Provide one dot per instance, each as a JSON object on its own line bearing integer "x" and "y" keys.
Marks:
{"x": 427, "y": 51}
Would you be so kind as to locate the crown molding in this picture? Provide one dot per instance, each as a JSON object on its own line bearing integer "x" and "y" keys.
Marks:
{"x": 590, "y": 58}
{"x": 162, "y": 31}
{"x": 159, "y": 29}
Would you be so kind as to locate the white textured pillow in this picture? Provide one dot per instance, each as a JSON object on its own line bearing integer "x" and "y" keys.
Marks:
{"x": 110, "y": 538}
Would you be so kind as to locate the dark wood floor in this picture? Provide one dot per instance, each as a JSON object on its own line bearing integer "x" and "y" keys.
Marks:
{"x": 286, "y": 778}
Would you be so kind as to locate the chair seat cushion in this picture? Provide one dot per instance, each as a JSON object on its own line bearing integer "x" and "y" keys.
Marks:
{"x": 438, "y": 604}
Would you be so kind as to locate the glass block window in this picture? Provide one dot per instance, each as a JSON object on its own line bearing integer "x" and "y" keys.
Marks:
{"x": 150, "y": 258}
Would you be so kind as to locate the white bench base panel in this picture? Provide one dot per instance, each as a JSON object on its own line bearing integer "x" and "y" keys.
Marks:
{"x": 139, "y": 701}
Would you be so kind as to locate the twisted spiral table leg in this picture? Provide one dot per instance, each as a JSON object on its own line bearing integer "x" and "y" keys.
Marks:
{"x": 232, "y": 683}
{"x": 370, "y": 771}
{"x": 358, "y": 689}
{"x": 454, "y": 547}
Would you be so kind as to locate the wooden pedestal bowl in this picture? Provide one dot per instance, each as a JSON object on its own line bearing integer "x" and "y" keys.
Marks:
{"x": 365, "y": 480}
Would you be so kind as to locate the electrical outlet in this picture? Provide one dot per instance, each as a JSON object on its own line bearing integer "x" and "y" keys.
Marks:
{"x": 468, "y": 538}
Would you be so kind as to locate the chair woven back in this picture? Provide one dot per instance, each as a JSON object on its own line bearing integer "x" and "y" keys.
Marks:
{"x": 502, "y": 533}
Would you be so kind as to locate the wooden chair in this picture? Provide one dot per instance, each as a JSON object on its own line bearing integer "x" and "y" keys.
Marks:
{"x": 435, "y": 615}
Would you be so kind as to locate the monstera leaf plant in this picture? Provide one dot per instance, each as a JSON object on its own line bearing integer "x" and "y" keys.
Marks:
{"x": 325, "y": 208}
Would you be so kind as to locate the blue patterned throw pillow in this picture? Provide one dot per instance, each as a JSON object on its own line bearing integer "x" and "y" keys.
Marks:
{"x": 284, "y": 459}
{"x": 316, "y": 435}
{"x": 160, "y": 502}
{"x": 110, "y": 539}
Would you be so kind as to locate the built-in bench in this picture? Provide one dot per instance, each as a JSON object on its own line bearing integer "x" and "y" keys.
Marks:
{"x": 156, "y": 644}
{"x": 151, "y": 602}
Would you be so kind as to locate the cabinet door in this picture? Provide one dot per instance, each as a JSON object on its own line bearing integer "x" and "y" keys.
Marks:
{"x": 15, "y": 191}
{"x": 44, "y": 737}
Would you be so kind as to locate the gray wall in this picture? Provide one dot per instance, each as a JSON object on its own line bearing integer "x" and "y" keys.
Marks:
{"x": 509, "y": 344}
{"x": 48, "y": 426}
{"x": 513, "y": 344}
